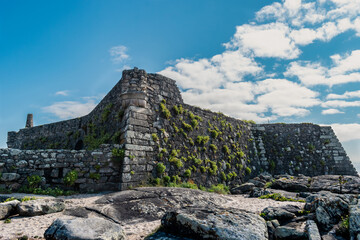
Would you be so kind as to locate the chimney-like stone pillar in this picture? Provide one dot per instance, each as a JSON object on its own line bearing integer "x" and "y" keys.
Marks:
{"x": 29, "y": 121}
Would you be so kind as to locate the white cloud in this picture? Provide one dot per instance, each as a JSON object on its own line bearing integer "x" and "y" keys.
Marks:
{"x": 205, "y": 74}
{"x": 268, "y": 40}
{"x": 118, "y": 53}
{"x": 358, "y": 115}
{"x": 70, "y": 109}
{"x": 344, "y": 70}
{"x": 285, "y": 98}
{"x": 331, "y": 111}
{"x": 347, "y": 132}
{"x": 340, "y": 103}
{"x": 295, "y": 12}
{"x": 62, "y": 93}
{"x": 346, "y": 95}
{"x": 346, "y": 63}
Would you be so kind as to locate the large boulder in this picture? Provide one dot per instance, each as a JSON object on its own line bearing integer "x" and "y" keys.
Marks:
{"x": 84, "y": 229}
{"x": 292, "y": 184}
{"x": 293, "y": 231}
{"x": 280, "y": 213}
{"x": 8, "y": 208}
{"x": 40, "y": 207}
{"x": 152, "y": 203}
{"x": 243, "y": 188}
{"x": 329, "y": 207}
{"x": 333, "y": 183}
{"x": 215, "y": 223}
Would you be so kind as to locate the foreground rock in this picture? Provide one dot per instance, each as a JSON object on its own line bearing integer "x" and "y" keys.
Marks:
{"x": 40, "y": 207}
{"x": 8, "y": 208}
{"x": 206, "y": 223}
{"x": 83, "y": 229}
{"x": 331, "y": 183}
{"x": 152, "y": 203}
{"x": 329, "y": 207}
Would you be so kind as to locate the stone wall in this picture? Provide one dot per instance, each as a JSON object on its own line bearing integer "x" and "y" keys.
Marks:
{"x": 305, "y": 148}
{"x": 145, "y": 114}
{"x": 97, "y": 170}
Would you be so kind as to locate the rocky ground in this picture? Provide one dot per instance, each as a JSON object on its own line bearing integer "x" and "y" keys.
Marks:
{"x": 323, "y": 207}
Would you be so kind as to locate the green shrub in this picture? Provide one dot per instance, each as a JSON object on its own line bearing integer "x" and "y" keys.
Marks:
{"x": 213, "y": 133}
{"x": 189, "y": 184}
{"x": 279, "y": 197}
{"x": 165, "y": 112}
{"x": 213, "y": 148}
{"x": 194, "y": 123}
{"x": 248, "y": 170}
{"x": 70, "y": 178}
{"x": 160, "y": 168}
{"x": 34, "y": 181}
{"x": 240, "y": 154}
{"x": 187, "y": 127}
{"x": 202, "y": 140}
{"x": 95, "y": 176}
{"x": 166, "y": 180}
{"x": 155, "y": 137}
{"x": 27, "y": 198}
{"x": 118, "y": 154}
{"x": 175, "y": 179}
{"x": 220, "y": 189}
{"x": 187, "y": 173}
{"x": 8, "y": 220}
{"x": 202, "y": 169}
{"x": 156, "y": 181}
{"x": 226, "y": 149}
{"x": 178, "y": 163}
{"x": 178, "y": 109}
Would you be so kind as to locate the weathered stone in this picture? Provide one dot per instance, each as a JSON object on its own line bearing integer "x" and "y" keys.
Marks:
{"x": 9, "y": 177}
{"x": 215, "y": 224}
{"x": 279, "y": 213}
{"x": 354, "y": 220}
{"x": 8, "y": 208}
{"x": 40, "y": 207}
{"x": 84, "y": 228}
{"x": 323, "y": 218}
{"x": 293, "y": 231}
{"x": 244, "y": 188}
{"x": 312, "y": 230}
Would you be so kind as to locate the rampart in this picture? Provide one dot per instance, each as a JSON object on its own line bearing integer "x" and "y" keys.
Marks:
{"x": 161, "y": 137}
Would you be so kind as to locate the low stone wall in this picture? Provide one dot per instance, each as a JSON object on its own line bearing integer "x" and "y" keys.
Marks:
{"x": 97, "y": 170}
{"x": 304, "y": 148}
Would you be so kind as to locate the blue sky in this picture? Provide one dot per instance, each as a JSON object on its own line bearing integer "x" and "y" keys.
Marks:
{"x": 269, "y": 61}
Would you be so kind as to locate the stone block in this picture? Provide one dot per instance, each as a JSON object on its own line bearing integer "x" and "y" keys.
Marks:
{"x": 138, "y": 147}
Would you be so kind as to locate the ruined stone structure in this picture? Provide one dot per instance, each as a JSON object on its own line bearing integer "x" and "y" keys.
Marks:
{"x": 149, "y": 133}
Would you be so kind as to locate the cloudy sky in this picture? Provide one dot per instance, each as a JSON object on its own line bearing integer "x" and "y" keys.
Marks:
{"x": 268, "y": 61}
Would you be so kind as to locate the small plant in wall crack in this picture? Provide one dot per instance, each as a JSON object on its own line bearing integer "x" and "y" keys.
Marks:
{"x": 71, "y": 177}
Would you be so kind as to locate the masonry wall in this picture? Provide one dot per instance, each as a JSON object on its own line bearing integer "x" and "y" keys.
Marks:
{"x": 305, "y": 148}
{"x": 145, "y": 115}
{"x": 97, "y": 170}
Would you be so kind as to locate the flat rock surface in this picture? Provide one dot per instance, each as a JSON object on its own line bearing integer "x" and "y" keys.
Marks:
{"x": 349, "y": 184}
{"x": 215, "y": 223}
{"x": 84, "y": 229}
{"x": 135, "y": 228}
{"x": 40, "y": 207}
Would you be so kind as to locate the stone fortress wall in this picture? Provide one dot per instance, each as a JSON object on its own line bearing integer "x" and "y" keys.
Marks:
{"x": 144, "y": 116}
